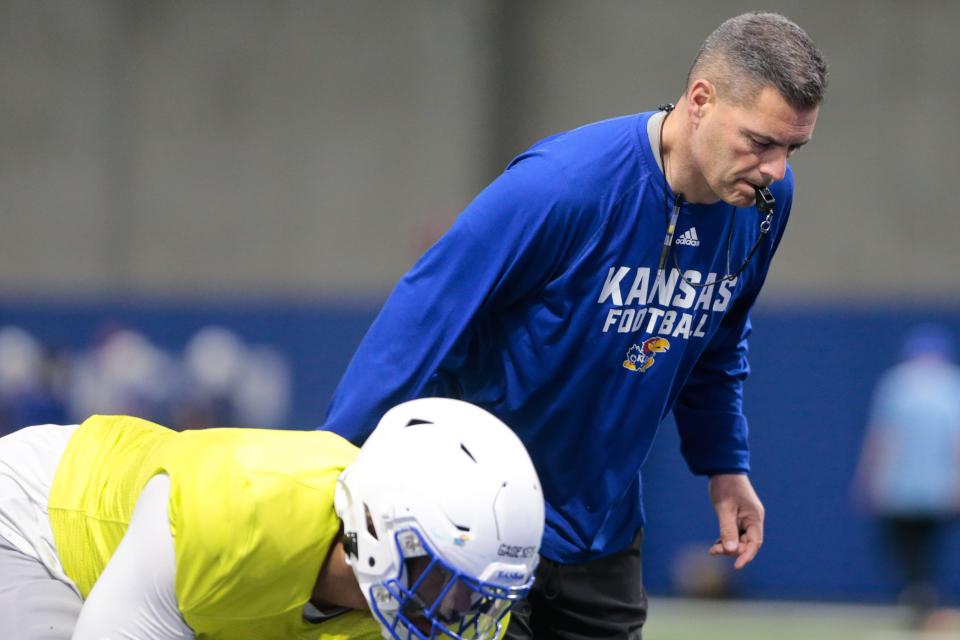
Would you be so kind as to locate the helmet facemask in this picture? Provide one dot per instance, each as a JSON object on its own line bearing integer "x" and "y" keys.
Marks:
{"x": 432, "y": 599}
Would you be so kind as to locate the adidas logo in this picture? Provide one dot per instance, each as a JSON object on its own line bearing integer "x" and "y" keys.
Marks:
{"x": 689, "y": 237}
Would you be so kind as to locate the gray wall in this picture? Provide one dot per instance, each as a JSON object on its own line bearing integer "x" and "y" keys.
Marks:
{"x": 316, "y": 147}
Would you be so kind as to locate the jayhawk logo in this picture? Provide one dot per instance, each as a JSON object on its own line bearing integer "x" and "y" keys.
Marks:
{"x": 641, "y": 357}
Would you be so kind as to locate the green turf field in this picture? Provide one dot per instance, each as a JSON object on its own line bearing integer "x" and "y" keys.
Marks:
{"x": 675, "y": 619}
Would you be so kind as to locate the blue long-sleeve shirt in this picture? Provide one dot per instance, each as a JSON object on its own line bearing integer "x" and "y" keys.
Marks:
{"x": 544, "y": 305}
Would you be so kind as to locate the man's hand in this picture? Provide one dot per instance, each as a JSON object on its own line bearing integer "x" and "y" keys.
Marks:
{"x": 740, "y": 515}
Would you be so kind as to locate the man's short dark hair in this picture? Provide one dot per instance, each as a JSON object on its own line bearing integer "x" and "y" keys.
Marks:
{"x": 755, "y": 50}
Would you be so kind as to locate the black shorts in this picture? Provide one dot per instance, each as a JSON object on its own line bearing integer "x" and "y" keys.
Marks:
{"x": 599, "y": 599}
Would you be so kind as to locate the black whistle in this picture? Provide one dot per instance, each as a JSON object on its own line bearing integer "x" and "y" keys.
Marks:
{"x": 765, "y": 200}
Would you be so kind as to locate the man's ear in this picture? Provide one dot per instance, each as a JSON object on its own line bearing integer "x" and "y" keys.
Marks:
{"x": 701, "y": 96}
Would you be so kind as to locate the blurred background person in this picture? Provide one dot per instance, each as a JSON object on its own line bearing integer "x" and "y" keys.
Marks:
{"x": 30, "y": 381}
{"x": 227, "y": 382}
{"x": 909, "y": 471}
{"x": 123, "y": 372}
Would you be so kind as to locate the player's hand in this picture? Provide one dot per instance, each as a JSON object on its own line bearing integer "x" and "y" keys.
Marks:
{"x": 740, "y": 515}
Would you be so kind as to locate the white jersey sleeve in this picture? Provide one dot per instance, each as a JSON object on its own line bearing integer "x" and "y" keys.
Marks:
{"x": 28, "y": 462}
{"x": 134, "y": 597}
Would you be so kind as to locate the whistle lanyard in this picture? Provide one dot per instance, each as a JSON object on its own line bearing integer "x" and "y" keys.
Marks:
{"x": 671, "y": 229}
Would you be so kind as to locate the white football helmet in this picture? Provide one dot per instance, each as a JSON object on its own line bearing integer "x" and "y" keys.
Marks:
{"x": 442, "y": 517}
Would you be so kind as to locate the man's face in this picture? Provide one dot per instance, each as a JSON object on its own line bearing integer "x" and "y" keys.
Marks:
{"x": 740, "y": 147}
{"x": 456, "y": 602}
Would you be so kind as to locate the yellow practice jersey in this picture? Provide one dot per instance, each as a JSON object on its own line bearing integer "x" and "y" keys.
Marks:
{"x": 251, "y": 513}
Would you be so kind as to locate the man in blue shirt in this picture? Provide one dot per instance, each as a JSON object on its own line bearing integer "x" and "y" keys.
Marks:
{"x": 909, "y": 472}
{"x": 603, "y": 280}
